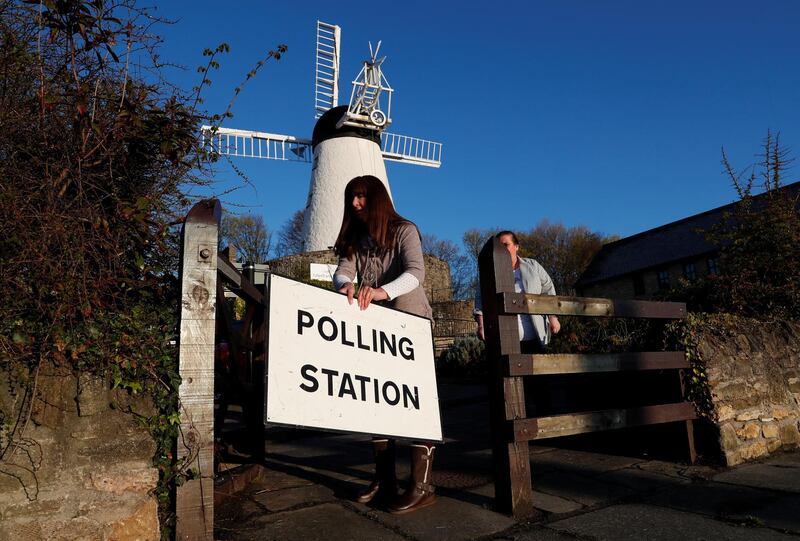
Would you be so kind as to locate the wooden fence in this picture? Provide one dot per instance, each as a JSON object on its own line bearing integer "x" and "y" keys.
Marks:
{"x": 511, "y": 428}
{"x": 206, "y": 323}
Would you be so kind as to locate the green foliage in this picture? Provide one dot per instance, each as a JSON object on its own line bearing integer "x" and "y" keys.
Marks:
{"x": 605, "y": 335}
{"x": 684, "y": 334}
{"x": 759, "y": 246}
{"x": 95, "y": 163}
{"x": 466, "y": 357}
{"x": 319, "y": 283}
{"x": 150, "y": 366}
{"x": 91, "y": 176}
{"x": 760, "y": 242}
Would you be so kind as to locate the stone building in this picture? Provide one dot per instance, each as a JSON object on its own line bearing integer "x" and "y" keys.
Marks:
{"x": 641, "y": 265}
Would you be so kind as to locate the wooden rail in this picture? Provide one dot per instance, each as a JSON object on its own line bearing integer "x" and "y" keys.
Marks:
{"x": 594, "y": 421}
{"x": 587, "y": 363}
{"x": 522, "y": 303}
{"x": 511, "y": 427}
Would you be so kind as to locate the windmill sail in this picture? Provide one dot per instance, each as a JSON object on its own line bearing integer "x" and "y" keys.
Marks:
{"x": 254, "y": 144}
{"x": 403, "y": 148}
{"x": 271, "y": 146}
{"x": 348, "y": 140}
{"x": 326, "y": 88}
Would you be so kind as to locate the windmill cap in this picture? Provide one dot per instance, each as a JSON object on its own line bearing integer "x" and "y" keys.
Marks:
{"x": 325, "y": 128}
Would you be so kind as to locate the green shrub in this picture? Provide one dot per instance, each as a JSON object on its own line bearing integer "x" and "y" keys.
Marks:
{"x": 759, "y": 246}
{"x": 98, "y": 162}
{"x": 605, "y": 335}
{"x": 466, "y": 357}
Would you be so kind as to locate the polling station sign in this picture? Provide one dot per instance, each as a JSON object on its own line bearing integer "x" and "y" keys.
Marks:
{"x": 333, "y": 366}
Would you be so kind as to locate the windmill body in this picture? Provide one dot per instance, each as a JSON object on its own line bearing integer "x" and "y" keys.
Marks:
{"x": 340, "y": 154}
{"x": 348, "y": 140}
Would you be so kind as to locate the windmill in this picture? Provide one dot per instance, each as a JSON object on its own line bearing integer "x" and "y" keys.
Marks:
{"x": 347, "y": 141}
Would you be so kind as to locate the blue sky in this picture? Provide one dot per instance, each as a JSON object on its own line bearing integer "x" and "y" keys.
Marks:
{"x": 605, "y": 114}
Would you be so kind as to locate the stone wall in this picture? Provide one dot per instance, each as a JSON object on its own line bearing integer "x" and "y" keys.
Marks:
{"x": 454, "y": 309}
{"x": 297, "y": 266}
{"x": 452, "y": 319}
{"x": 753, "y": 370}
{"x": 437, "y": 283}
{"x": 83, "y": 470}
{"x": 438, "y": 286}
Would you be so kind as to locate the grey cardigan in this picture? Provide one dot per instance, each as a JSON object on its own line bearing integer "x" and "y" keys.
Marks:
{"x": 536, "y": 281}
{"x": 378, "y": 270}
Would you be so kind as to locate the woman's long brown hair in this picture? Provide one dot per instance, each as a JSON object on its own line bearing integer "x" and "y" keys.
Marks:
{"x": 380, "y": 223}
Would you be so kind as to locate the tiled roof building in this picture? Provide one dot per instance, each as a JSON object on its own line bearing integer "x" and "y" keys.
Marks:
{"x": 640, "y": 265}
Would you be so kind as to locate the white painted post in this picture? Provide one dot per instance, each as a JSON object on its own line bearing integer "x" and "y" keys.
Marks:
{"x": 195, "y": 499}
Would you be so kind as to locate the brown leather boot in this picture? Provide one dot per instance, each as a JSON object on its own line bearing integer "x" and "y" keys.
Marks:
{"x": 383, "y": 486}
{"x": 420, "y": 491}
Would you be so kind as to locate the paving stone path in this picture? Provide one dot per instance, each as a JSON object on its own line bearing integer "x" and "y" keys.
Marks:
{"x": 304, "y": 492}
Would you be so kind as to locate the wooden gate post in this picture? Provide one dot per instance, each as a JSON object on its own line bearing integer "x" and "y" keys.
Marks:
{"x": 256, "y": 359}
{"x": 195, "y": 499}
{"x": 511, "y": 460}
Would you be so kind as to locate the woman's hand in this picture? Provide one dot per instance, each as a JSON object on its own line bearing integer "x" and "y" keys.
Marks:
{"x": 350, "y": 290}
{"x": 368, "y": 294}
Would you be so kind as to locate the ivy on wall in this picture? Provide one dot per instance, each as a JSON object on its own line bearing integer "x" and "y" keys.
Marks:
{"x": 685, "y": 334}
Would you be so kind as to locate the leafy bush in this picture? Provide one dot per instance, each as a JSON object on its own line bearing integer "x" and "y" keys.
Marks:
{"x": 759, "y": 246}
{"x": 465, "y": 357}
{"x": 95, "y": 162}
{"x": 684, "y": 334}
{"x": 605, "y": 335}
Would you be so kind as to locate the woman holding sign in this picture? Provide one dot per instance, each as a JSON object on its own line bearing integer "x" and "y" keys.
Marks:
{"x": 385, "y": 251}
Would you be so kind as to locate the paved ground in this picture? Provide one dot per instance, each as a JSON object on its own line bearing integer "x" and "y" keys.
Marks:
{"x": 305, "y": 491}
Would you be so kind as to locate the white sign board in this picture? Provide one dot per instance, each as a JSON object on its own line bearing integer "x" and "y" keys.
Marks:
{"x": 322, "y": 272}
{"x": 333, "y": 366}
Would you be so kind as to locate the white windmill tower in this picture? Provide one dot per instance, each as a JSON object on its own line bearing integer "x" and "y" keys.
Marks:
{"x": 347, "y": 141}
